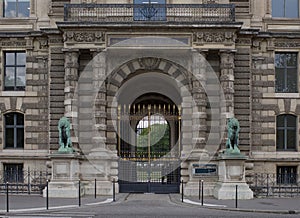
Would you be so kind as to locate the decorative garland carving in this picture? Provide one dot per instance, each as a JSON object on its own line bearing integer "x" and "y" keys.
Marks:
{"x": 84, "y": 36}
{"x": 214, "y": 37}
{"x": 290, "y": 44}
{"x": 13, "y": 43}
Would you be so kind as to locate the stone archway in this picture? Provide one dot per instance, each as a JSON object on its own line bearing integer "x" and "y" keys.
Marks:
{"x": 141, "y": 77}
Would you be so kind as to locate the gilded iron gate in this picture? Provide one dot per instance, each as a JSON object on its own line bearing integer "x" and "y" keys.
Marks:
{"x": 149, "y": 148}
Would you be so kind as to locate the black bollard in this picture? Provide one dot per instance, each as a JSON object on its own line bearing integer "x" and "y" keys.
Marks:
{"x": 79, "y": 194}
{"x": 47, "y": 195}
{"x": 7, "y": 198}
{"x": 202, "y": 192}
{"x": 182, "y": 191}
{"x": 236, "y": 196}
{"x": 114, "y": 190}
{"x": 199, "y": 189}
{"x": 95, "y": 192}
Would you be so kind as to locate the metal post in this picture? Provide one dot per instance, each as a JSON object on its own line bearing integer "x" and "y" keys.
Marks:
{"x": 236, "y": 196}
{"x": 28, "y": 178}
{"x": 47, "y": 195}
{"x": 267, "y": 185}
{"x": 199, "y": 189}
{"x": 7, "y": 198}
{"x": 95, "y": 192}
{"x": 79, "y": 194}
{"x": 182, "y": 191}
{"x": 114, "y": 190}
{"x": 202, "y": 192}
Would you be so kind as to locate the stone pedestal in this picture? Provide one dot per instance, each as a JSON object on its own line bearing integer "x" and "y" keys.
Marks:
{"x": 64, "y": 182}
{"x": 231, "y": 173}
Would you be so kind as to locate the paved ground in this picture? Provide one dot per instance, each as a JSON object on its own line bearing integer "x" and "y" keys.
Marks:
{"x": 147, "y": 205}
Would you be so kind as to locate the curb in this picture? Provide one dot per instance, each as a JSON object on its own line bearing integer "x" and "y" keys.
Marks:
{"x": 221, "y": 207}
{"x": 59, "y": 208}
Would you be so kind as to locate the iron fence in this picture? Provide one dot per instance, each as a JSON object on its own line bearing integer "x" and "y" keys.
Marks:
{"x": 127, "y": 13}
{"x": 24, "y": 181}
{"x": 274, "y": 185}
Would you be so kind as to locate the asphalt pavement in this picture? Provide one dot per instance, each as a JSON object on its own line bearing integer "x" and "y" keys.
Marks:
{"x": 35, "y": 204}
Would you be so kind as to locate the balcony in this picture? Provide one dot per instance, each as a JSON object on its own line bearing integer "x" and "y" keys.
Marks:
{"x": 144, "y": 13}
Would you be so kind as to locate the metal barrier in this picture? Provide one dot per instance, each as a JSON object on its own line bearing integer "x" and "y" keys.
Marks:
{"x": 122, "y": 13}
{"x": 274, "y": 185}
{"x": 24, "y": 181}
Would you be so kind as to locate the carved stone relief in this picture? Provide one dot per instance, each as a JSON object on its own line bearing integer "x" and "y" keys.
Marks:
{"x": 287, "y": 44}
{"x": 214, "y": 37}
{"x": 149, "y": 63}
{"x": 13, "y": 43}
{"x": 84, "y": 36}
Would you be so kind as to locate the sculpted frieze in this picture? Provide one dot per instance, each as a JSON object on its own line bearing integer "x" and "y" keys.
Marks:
{"x": 13, "y": 43}
{"x": 214, "y": 37}
{"x": 290, "y": 44}
{"x": 81, "y": 36}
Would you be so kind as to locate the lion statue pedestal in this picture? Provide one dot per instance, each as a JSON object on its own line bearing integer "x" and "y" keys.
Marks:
{"x": 64, "y": 181}
{"x": 231, "y": 168}
{"x": 231, "y": 172}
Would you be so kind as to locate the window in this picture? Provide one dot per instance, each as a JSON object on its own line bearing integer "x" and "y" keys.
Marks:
{"x": 14, "y": 71}
{"x": 285, "y": 8}
{"x": 16, "y": 8}
{"x": 286, "y": 175}
{"x": 13, "y": 173}
{"x": 14, "y": 130}
{"x": 286, "y": 79}
{"x": 149, "y": 10}
{"x": 286, "y": 132}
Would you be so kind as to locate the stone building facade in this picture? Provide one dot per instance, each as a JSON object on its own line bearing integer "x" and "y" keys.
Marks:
{"x": 81, "y": 58}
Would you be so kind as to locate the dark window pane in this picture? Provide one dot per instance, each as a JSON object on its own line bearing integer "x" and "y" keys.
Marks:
{"x": 280, "y": 121}
{"x": 278, "y": 8}
{"x": 9, "y": 137}
{"x": 291, "y": 139}
{"x": 292, "y": 81}
{"x": 280, "y": 80}
{"x": 291, "y": 121}
{"x": 280, "y": 139}
{"x": 279, "y": 60}
{"x": 20, "y": 138}
{"x": 10, "y": 58}
{"x": 291, "y": 59}
{"x": 9, "y": 119}
{"x": 291, "y": 8}
{"x": 20, "y": 119}
{"x": 21, "y": 58}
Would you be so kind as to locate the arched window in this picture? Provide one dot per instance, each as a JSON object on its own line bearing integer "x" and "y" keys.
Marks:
{"x": 286, "y": 132}
{"x": 14, "y": 130}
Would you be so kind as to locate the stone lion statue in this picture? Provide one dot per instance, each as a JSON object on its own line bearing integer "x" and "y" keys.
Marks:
{"x": 65, "y": 143}
{"x": 232, "y": 144}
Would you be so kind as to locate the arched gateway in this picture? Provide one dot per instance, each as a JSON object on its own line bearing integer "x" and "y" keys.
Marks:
{"x": 148, "y": 125}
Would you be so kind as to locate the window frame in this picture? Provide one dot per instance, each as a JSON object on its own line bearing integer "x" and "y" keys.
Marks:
{"x": 286, "y": 68}
{"x": 285, "y": 12}
{"x": 285, "y": 130}
{"x": 15, "y": 66}
{"x": 15, "y": 128}
{"x": 17, "y": 10}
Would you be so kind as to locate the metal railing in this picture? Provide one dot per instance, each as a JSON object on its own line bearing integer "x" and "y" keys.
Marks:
{"x": 24, "y": 181}
{"x": 274, "y": 185}
{"x": 127, "y": 13}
